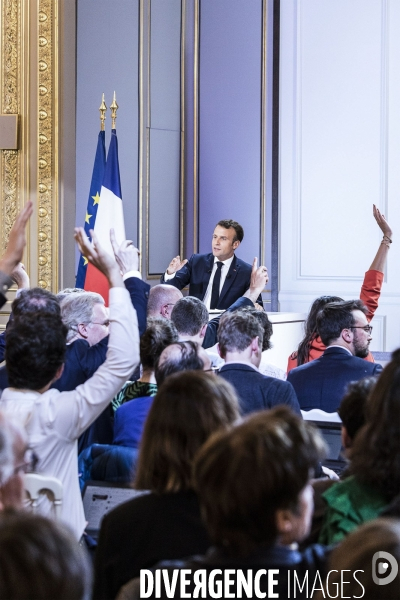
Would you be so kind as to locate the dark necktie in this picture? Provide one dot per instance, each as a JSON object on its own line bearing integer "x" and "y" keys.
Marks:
{"x": 215, "y": 286}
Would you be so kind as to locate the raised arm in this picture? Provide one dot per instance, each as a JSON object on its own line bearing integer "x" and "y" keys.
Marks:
{"x": 373, "y": 279}
{"x": 378, "y": 264}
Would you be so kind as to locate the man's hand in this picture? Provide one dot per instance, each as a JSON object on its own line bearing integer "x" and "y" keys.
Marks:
{"x": 17, "y": 241}
{"x": 175, "y": 265}
{"x": 258, "y": 281}
{"x": 98, "y": 257}
{"x": 21, "y": 277}
{"x": 126, "y": 255}
{"x": 383, "y": 224}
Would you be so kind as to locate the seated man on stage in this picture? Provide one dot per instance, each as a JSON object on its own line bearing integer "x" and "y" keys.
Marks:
{"x": 218, "y": 278}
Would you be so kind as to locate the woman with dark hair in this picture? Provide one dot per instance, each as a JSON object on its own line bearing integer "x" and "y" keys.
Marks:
{"x": 165, "y": 523}
{"x": 311, "y": 346}
{"x": 375, "y": 462}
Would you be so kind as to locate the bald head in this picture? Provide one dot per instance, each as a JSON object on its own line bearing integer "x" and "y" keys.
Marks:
{"x": 181, "y": 356}
{"x": 162, "y": 299}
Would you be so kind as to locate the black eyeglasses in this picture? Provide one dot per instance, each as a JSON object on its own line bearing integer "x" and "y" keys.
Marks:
{"x": 367, "y": 328}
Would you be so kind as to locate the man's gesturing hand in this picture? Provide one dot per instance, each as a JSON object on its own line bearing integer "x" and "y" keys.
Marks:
{"x": 98, "y": 257}
{"x": 126, "y": 255}
{"x": 258, "y": 280}
{"x": 176, "y": 264}
{"x": 17, "y": 241}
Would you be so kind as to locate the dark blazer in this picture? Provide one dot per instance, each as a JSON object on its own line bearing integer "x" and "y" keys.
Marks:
{"x": 83, "y": 360}
{"x": 257, "y": 391}
{"x": 211, "y": 337}
{"x": 139, "y": 533}
{"x": 196, "y": 274}
{"x": 321, "y": 383}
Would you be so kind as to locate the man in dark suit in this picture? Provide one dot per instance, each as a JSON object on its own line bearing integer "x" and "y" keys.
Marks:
{"x": 240, "y": 337}
{"x": 218, "y": 278}
{"x": 344, "y": 329}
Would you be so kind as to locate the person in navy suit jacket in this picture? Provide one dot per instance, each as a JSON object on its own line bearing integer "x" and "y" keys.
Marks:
{"x": 344, "y": 329}
{"x": 232, "y": 278}
{"x": 240, "y": 337}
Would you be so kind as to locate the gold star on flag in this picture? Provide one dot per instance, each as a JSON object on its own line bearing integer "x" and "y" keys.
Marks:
{"x": 87, "y": 218}
{"x": 85, "y": 261}
{"x": 96, "y": 199}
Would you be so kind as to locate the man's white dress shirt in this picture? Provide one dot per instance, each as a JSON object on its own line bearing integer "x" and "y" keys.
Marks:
{"x": 54, "y": 420}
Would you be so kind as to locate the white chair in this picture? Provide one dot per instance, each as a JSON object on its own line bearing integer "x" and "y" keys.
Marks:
{"x": 316, "y": 414}
{"x": 35, "y": 484}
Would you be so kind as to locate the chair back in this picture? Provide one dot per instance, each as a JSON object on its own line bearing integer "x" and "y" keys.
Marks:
{"x": 316, "y": 414}
{"x": 35, "y": 484}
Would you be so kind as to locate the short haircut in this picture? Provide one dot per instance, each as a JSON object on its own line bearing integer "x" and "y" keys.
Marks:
{"x": 189, "y": 315}
{"x": 40, "y": 559}
{"x": 244, "y": 476}
{"x": 352, "y": 406}
{"x": 237, "y": 330}
{"x": 66, "y": 291}
{"x": 179, "y": 356}
{"x": 336, "y": 316}
{"x": 35, "y": 300}
{"x": 228, "y": 224}
{"x": 265, "y": 323}
{"x": 35, "y": 350}
{"x": 159, "y": 334}
{"x": 77, "y": 308}
{"x": 158, "y": 296}
{"x": 187, "y": 409}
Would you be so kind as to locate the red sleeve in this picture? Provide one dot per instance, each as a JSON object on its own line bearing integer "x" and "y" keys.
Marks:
{"x": 371, "y": 290}
{"x": 292, "y": 362}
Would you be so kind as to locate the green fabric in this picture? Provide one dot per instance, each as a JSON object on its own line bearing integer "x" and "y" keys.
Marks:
{"x": 132, "y": 390}
{"x": 349, "y": 503}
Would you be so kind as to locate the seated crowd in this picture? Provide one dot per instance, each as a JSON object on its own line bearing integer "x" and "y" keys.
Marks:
{"x": 229, "y": 472}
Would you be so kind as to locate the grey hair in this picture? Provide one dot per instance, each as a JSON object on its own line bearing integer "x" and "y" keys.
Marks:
{"x": 78, "y": 308}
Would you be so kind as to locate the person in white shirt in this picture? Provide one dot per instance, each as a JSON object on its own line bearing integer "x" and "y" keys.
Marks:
{"x": 54, "y": 420}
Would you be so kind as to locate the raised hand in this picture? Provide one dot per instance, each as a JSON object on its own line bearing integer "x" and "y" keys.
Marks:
{"x": 258, "y": 280}
{"x": 98, "y": 257}
{"x": 17, "y": 241}
{"x": 176, "y": 264}
{"x": 382, "y": 223}
{"x": 126, "y": 255}
{"x": 21, "y": 277}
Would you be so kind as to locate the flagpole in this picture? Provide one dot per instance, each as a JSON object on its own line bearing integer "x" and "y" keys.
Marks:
{"x": 114, "y": 107}
{"x": 102, "y": 110}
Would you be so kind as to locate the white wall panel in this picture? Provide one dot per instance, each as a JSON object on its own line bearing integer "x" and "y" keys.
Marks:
{"x": 339, "y": 151}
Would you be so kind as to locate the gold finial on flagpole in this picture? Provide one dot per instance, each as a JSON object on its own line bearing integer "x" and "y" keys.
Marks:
{"x": 102, "y": 110}
{"x": 114, "y": 108}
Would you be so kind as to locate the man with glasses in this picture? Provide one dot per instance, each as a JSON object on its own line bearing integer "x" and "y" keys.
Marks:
{"x": 344, "y": 329}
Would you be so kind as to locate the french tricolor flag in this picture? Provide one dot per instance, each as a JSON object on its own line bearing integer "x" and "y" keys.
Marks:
{"x": 104, "y": 212}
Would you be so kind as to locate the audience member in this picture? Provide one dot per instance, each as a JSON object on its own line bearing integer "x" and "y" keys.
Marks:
{"x": 344, "y": 329}
{"x": 138, "y": 395}
{"x": 265, "y": 367}
{"x": 181, "y": 356}
{"x": 240, "y": 337}
{"x": 40, "y": 559}
{"x": 165, "y": 523}
{"x": 35, "y": 352}
{"x": 253, "y": 485}
{"x": 162, "y": 299}
{"x": 312, "y": 346}
{"x": 366, "y": 573}
{"x": 375, "y": 461}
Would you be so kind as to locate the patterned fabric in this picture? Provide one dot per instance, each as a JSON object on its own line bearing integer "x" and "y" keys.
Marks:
{"x": 132, "y": 390}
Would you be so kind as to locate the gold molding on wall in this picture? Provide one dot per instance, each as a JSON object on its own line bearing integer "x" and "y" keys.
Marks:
{"x": 47, "y": 164}
{"x": 10, "y": 104}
